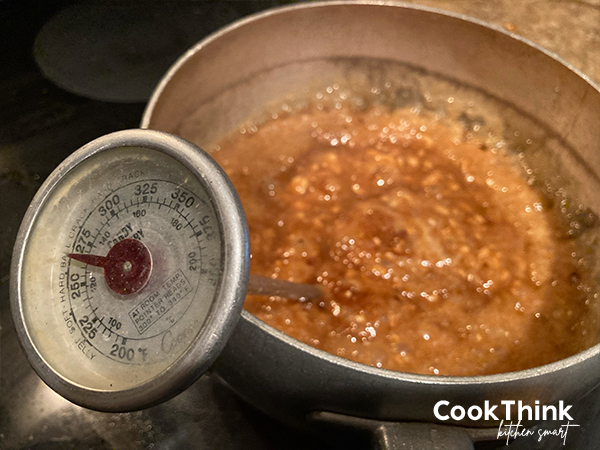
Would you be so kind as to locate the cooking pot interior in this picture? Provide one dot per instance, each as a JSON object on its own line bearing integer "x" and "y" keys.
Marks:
{"x": 539, "y": 106}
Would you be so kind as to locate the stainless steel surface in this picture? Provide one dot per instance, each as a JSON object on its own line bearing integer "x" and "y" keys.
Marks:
{"x": 222, "y": 312}
{"x": 260, "y": 59}
{"x": 259, "y": 285}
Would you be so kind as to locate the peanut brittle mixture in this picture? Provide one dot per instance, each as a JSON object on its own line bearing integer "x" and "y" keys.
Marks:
{"x": 435, "y": 255}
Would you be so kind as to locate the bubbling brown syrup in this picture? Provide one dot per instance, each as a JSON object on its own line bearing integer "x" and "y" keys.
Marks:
{"x": 435, "y": 253}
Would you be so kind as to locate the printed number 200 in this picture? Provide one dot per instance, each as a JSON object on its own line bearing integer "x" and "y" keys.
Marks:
{"x": 122, "y": 353}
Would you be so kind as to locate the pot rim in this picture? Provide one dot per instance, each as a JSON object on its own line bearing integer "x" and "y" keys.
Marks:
{"x": 445, "y": 380}
{"x": 160, "y": 87}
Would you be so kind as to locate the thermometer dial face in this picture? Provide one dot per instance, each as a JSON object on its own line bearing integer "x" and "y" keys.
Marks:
{"x": 126, "y": 289}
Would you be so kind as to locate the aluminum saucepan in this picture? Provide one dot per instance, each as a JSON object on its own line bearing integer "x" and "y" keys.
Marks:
{"x": 233, "y": 73}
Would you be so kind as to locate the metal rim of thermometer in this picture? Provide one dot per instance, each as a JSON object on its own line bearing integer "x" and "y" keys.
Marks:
{"x": 149, "y": 198}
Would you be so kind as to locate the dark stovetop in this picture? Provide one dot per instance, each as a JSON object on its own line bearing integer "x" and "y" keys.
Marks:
{"x": 42, "y": 123}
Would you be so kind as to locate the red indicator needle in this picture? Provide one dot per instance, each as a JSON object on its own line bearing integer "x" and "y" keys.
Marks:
{"x": 92, "y": 260}
{"x": 127, "y": 265}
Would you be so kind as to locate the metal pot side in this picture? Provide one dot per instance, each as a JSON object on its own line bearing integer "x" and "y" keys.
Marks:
{"x": 280, "y": 375}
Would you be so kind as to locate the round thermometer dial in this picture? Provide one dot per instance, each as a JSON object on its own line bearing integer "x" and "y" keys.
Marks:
{"x": 130, "y": 270}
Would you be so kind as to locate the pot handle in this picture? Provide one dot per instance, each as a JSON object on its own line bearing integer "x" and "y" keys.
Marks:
{"x": 403, "y": 435}
{"x": 419, "y": 436}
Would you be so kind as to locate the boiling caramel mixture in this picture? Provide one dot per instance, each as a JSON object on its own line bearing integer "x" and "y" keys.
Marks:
{"x": 435, "y": 254}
